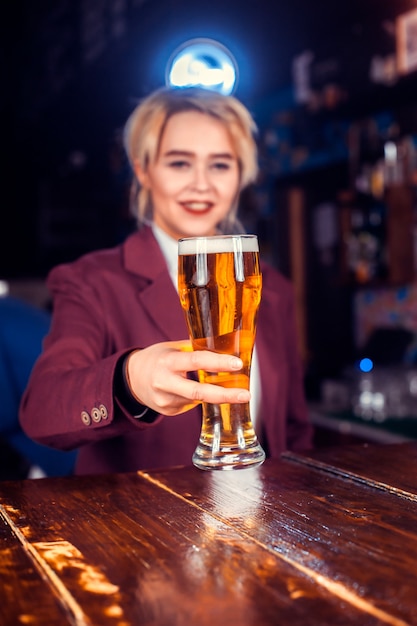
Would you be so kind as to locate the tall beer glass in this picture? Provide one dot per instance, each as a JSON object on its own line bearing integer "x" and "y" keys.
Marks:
{"x": 220, "y": 286}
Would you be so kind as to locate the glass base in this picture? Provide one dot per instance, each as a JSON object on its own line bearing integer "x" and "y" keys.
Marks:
{"x": 228, "y": 458}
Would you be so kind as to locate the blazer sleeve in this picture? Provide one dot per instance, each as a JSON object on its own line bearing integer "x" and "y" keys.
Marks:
{"x": 69, "y": 398}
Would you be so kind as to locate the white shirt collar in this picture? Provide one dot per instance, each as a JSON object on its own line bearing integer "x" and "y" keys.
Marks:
{"x": 169, "y": 248}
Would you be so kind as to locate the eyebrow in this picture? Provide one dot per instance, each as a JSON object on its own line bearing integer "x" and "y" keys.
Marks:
{"x": 216, "y": 155}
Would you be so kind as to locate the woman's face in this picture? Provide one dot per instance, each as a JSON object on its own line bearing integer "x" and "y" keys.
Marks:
{"x": 195, "y": 179}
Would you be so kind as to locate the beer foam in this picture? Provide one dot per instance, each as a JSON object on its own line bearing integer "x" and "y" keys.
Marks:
{"x": 220, "y": 243}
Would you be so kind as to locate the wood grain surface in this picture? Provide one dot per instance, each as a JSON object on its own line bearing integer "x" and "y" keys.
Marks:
{"x": 296, "y": 541}
{"x": 390, "y": 467}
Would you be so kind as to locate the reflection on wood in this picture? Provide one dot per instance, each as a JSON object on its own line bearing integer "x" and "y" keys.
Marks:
{"x": 295, "y": 541}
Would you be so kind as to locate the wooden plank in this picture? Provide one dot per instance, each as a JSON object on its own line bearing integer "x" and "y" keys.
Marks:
{"x": 356, "y": 541}
{"x": 391, "y": 467}
{"x": 25, "y": 598}
{"x": 124, "y": 550}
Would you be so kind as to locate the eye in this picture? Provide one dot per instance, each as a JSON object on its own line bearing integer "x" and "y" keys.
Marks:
{"x": 178, "y": 164}
{"x": 221, "y": 165}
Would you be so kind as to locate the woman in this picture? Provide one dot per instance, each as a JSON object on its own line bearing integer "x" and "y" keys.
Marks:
{"x": 112, "y": 379}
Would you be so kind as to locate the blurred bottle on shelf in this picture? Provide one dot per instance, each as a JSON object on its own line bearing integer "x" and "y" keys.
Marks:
{"x": 379, "y": 215}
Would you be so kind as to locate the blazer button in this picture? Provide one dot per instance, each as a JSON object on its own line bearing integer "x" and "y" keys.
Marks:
{"x": 85, "y": 418}
{"x": 95, "y": 414}
{"x": 103, "y": 411}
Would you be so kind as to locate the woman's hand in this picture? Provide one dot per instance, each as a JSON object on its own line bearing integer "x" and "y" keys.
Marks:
{"x": 157, "y": 376}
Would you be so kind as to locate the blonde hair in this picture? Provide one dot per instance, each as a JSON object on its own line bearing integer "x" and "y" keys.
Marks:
{"x": 146, "y": 124}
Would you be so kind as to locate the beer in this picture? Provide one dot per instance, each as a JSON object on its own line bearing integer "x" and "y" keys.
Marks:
{"x": 220, "y": 284}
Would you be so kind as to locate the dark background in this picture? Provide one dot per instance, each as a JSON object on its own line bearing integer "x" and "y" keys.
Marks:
{"x": 72, "y": 71}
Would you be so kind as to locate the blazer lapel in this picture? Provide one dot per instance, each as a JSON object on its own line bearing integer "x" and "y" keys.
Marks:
{"x": 160, "y": 299}
{"x": 143, "y": 257}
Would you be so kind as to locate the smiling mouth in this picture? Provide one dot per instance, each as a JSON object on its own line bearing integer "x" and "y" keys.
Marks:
{"x": 197, "y": 207}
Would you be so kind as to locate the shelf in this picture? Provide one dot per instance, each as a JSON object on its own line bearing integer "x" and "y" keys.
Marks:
{"x": 346, "y": 424}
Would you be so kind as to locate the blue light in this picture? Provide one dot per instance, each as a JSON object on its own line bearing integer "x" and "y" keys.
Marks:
{"x": 202, "y": 63}
{"x": 366, "y": 365}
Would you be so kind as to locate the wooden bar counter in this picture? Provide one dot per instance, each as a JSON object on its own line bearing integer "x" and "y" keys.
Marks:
{"x": 322, "y": 538}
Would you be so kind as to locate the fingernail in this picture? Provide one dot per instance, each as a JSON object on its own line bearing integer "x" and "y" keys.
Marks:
{"x": 244, "y": 396}
{"x": 237, "y": 364}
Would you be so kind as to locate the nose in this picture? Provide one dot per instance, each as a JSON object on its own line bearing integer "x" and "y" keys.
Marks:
{"x": 201, "y": 178}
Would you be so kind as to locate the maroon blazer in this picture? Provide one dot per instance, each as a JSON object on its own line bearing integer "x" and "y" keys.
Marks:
{"x": 111, "y": 301}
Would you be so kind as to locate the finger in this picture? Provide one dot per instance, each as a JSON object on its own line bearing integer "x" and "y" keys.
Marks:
{"x": 214, "y": 394}
{"x": 196, "y": 392}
